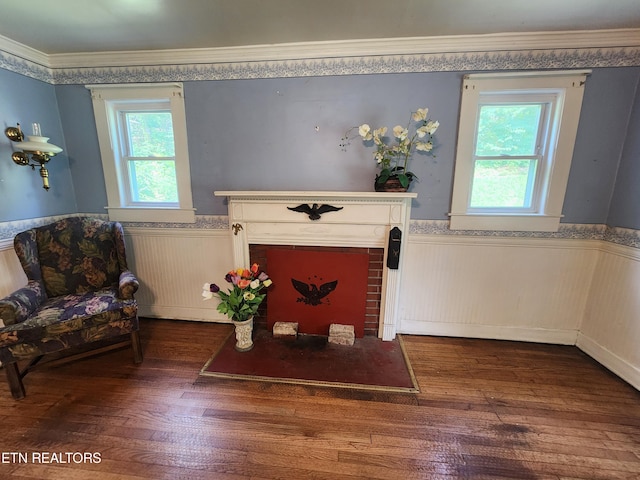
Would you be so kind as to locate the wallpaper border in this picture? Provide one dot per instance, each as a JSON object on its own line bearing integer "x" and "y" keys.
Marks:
{"x": 312, "y": 67}
{"x": 27, "y": 68}
{"x": 621, "y": 236}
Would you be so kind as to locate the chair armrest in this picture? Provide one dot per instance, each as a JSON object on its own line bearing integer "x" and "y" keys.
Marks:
{"x": 18, "y": 306}
{"x": 128, "y": 285}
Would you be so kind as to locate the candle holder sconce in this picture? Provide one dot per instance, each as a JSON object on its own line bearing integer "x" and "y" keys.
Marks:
{"x": 36, "y": 149}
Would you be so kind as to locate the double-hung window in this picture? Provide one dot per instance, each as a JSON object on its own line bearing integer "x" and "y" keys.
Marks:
{"x": 143, "y": 143}
{"x": 515, "y": 145}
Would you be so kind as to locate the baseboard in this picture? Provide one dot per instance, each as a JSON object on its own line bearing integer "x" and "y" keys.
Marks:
{"x": 610, "y": 360}
{"x": 519, "y": 334}
{"x": 181, "y": 313}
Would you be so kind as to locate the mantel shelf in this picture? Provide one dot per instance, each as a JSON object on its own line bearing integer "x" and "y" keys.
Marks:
{"x": 267, "y": 194}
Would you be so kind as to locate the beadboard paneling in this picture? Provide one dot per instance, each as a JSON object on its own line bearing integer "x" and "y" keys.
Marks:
{"x": 610, "y": 330}
{"x": 528, "y": 289}
{"x": 172, "y": 264}
{"x": 12, "y": 276}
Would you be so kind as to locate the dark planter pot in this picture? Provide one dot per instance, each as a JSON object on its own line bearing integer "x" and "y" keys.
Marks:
{"x": 391, "y": 185}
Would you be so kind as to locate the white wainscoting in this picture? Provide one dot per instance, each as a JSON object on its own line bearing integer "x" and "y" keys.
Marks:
{"x": 564, "y": 291}
{"x": 610, "y": 331}
{"x": 531, "y": 289}
{"x": 12, "y": 276}
{"x": 172, "y": 264}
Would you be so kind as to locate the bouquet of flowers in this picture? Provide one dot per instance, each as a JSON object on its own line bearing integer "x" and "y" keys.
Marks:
{"x": 241, "y": 302}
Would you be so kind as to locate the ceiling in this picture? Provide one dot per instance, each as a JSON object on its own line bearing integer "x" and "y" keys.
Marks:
{"x": 73, "y": 26}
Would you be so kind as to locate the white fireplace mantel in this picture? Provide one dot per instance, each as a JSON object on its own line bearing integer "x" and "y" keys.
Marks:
{"x": 364, "y": 220}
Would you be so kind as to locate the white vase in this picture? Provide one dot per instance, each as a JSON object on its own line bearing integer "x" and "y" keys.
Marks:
{"x": 244, "y": 335}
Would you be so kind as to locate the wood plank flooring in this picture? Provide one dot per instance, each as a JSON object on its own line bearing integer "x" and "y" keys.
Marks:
{"x": 487, "y": 410}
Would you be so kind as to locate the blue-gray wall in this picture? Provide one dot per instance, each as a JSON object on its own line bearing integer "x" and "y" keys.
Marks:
{"x": 76, "y": 115}
{"x": 284, "y": 134}
{"x": 609, "y": 97}
{"x": 625, "y": 203}
{"x": 25, "y": 100}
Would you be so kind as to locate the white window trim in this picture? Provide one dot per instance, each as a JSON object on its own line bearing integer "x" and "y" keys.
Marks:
{"x": 105, "y": 95}
{"x": 570, "y": 84}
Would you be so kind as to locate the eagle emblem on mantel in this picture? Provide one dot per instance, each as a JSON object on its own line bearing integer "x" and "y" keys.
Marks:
{"x": 314, "y": 211}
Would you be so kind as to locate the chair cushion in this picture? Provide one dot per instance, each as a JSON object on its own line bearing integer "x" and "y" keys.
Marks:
{"x": 71, "y": 307}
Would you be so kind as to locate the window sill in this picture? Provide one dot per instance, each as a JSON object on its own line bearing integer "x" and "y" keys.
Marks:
{"x": 152, "y": 215}
{"x": 509, "y": 223}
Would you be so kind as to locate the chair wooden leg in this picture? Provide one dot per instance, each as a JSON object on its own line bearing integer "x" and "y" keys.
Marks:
{"x": 137, "y": 347}
{"x": 15, "y": 380}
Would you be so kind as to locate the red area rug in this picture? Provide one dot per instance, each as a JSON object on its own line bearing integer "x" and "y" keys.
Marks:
{"x": 370, "y": 364}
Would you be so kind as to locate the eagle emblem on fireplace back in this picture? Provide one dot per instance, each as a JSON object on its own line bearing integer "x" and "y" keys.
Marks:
{"x": 311, "y": 293}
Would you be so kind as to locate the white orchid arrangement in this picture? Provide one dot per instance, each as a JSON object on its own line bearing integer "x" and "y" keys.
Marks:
{"x": 393, "y": 153}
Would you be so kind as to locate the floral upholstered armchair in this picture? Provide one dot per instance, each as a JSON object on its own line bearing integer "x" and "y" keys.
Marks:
{"x": 79, "y": 291}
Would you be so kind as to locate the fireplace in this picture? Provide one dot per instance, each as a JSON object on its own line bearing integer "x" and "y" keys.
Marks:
{"x": 318, "y": 220}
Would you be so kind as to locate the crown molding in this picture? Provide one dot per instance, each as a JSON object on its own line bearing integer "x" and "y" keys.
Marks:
{"x": 24, "y": 60}
{"x": 503, "y": 51}
{"x": 24, "y": 52}
{"x": 620, "y": 38}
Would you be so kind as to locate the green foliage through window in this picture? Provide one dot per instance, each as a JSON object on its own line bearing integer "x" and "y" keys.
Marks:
{"x": 508, "y": 129}
{"x": 506, "y": 159}
{"x": 503, "y": 183}
{"x": 150, "y": 134}
{"x": 151, "y": 156}
{"x": 153, "y": 181}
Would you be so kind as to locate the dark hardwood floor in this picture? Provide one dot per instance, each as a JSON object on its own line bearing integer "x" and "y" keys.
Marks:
{"x": 487, "y": 409}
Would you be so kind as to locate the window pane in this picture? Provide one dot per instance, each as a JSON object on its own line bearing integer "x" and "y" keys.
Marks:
{"x": 503, "y": 183}
{"x": 508, "y": 129}
{"x": 153, "y": 181}
{"x": 150, "y": 134}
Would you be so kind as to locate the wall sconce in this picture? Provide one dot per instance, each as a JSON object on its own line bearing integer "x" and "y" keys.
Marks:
{"x": 36, "y": 149}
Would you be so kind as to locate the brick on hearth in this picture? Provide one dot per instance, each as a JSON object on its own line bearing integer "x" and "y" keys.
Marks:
{"x": 341, "y": 334}
{"x": 287, "y": 330}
